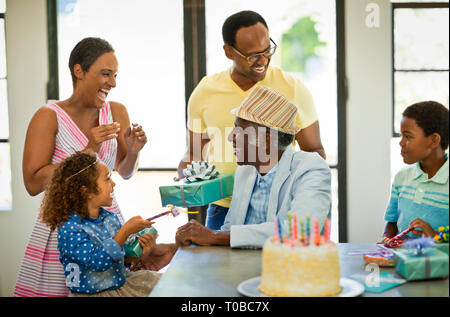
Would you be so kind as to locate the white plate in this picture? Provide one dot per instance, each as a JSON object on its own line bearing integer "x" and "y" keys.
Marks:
{"x": 350, "y": 288}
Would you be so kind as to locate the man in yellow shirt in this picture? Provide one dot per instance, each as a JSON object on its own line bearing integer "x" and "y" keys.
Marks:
{"x": 248, "y": 45}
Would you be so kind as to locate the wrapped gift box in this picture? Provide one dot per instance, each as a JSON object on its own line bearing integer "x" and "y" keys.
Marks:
{"x": 432, "y": 264}
{"x": 443, "y": 247}
{"x": 133, "y": 248}
{"x": 200, "y": 193}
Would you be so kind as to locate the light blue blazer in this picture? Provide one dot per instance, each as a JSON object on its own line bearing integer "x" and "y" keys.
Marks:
{"x": 302, "y": 185}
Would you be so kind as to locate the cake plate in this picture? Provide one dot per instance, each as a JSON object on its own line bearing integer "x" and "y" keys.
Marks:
{"x": 350, "y": 288}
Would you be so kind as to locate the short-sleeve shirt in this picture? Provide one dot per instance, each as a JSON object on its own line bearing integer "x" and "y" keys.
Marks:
{"x": 414, "y": 195}
{"x": 92, "y": 260}
{"x": 216, "y": 95}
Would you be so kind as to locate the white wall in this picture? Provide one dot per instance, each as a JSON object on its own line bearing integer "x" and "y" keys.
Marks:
{"x": 368, "y": 67}
{"x": 26, "y": 54}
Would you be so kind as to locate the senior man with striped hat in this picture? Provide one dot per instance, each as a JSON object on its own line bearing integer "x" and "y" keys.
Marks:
{"x": 272, "y": 179}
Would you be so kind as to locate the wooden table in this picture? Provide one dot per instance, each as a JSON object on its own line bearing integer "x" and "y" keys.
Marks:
{"x": 217, "y": 271}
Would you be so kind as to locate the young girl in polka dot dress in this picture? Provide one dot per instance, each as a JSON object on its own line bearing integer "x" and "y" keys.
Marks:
{"x": 91, "y": 238}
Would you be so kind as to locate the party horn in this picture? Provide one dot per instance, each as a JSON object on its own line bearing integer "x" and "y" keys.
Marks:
{"x": 159, "y": 215}
{"x": 395, "y": 241}
{"x": 173, "y": 210}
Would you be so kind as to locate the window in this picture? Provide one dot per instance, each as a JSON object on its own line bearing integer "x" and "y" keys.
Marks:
{"x": 5, "y": 166}
{"x": 420, "y": 60}
{"x": 152, "y": 90}
{"x": 150, "y": 83}
{"x": 305, "y": 32}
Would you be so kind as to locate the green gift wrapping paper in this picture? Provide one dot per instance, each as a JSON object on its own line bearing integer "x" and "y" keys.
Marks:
{"x": 200, "y": 193}
{"x": 442, "y": 247}
{"x": 134, "y": 249}
{"x": 433, "y": 264}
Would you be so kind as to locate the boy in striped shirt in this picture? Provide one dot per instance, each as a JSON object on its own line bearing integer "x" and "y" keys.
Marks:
{"x": 419, "y": 196}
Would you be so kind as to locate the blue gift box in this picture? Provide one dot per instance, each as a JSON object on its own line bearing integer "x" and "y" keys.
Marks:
{"x": 433, "y": 264}
{"x": 132, "y": 247}
{"x": 201, "y": 193}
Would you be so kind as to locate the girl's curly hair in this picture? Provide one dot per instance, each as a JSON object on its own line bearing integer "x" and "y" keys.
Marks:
{"x": 69, "y": 188}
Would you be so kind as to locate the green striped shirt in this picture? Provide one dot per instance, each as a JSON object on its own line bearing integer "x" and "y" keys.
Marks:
{"x": 413, "y": 196}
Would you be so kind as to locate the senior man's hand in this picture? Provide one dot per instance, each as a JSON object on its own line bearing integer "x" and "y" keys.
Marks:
{"x": 158, "y": 258}
{"x": 195, "y": 233}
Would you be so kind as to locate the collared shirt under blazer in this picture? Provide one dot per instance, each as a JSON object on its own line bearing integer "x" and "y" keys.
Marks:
{"x": 302, "y": 184}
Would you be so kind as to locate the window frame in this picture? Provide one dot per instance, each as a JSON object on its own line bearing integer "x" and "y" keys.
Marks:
{"x": 195, "y": 69}
{"x": 7, "y": 141}
{"x": 342, "y": 98}
{"x": 408, "y": 5}
{"x": 2, "y": 16}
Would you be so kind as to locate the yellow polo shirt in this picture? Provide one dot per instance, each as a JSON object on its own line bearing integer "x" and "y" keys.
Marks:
{"x": 211, "y": 101}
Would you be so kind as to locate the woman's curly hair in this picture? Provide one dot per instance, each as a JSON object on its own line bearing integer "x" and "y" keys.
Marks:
{"x": 69, "y": 188}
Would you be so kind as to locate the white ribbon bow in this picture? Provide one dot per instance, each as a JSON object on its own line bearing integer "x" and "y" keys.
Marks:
{"x": 199, "y": 171}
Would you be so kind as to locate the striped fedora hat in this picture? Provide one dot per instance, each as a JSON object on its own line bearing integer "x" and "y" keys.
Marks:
{"x": 269, "y": 108}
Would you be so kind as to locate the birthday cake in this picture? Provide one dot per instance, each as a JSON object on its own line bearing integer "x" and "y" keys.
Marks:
{"x": 295, "y": 268}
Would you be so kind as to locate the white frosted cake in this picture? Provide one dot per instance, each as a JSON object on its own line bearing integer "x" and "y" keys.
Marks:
{"x": 294, "y": 269}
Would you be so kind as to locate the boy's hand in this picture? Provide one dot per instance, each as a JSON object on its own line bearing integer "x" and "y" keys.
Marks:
{"x": 391, "y": 230}
{"x": 147, "y": 242}
{"x": 425, "y": 227}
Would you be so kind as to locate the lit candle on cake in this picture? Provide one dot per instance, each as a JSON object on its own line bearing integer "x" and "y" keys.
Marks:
{"x": 302, "y": 229}
{"x": 277, "y": 233}
{"x": 327, "y": 230}
{"x": 290, "y": 224}
{"x": 280, "y": 232}
{"x": 308, "y": 229}
{"x": 294, "y": 219}
{"x": 316, "y": 232}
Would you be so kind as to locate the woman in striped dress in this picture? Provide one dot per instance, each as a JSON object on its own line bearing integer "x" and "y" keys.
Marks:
{"x": 85, "y": 121}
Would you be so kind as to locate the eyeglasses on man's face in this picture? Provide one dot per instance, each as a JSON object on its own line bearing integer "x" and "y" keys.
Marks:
{"x": 254, "y": 57}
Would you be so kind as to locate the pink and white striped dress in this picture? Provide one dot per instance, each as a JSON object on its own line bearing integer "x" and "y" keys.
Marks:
{"x": 41, "y": 273}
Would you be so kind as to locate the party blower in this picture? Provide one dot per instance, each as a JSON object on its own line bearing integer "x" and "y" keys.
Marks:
{"x": 174, "y": 210}
{"x": 396, "y": 241}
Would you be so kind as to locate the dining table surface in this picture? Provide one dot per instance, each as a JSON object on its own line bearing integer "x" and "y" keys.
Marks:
{"x": 217, "y": 271}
